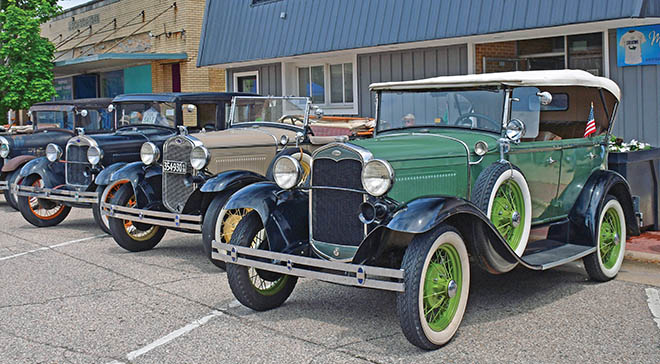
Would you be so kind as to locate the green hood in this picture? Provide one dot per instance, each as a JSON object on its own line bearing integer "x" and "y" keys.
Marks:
{"x": 427, "y": 163}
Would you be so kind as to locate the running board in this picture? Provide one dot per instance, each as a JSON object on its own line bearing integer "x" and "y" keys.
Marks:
{"x": 555, "y": 254}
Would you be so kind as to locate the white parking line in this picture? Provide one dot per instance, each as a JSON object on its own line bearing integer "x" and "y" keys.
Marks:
{"x": 169, "y": 337}
{"x": 52, "y": 246}
{"x": 654, "y": 304}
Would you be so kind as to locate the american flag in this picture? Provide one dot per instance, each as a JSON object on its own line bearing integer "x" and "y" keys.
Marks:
{"x": 591, "y": 123}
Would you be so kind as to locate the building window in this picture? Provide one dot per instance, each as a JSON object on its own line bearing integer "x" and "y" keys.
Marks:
{"x": 327, "y": 84}
{"x": 246, "y": 82}
{"x": 260, "y": 2}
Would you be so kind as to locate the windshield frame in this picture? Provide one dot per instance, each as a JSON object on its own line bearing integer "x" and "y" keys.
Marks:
{"x": 305, "y": 126}
{"x": 501, "y": 122}
{"x": 118, "y": 107}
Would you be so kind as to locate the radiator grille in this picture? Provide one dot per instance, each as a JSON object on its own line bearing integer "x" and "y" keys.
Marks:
{"x": 177, "y": 188}
{"x": 335, "y": 213}
{"x": 77, "y": 168}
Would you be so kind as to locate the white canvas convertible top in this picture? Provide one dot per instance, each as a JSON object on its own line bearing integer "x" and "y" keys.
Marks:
{"x": 518, "y": 78}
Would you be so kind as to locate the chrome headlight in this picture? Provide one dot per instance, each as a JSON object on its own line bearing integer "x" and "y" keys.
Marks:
{"x": 94, "y": 155}
{"x": 287, "y": 172}
{"x": 149, "y": 153}
{"x": 4, "y": 147}
{"x": 480, "y": 148}
{"x": 199, "y": 157}
{"x": 377, "y": 177}
{"x": 53, "y": 152}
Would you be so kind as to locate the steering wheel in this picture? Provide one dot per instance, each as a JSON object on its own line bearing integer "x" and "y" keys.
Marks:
{"x": 466, "y": 120}
{"x": 293, "y": 120}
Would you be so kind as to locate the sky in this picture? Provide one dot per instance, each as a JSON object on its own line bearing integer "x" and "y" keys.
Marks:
{"x": 66, "y": 4}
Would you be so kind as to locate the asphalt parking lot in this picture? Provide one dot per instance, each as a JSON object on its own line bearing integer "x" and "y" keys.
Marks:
{"x": 69, "y": 294}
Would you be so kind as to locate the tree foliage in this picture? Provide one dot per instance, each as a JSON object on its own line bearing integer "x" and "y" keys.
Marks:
{"x": 26, "y": 59}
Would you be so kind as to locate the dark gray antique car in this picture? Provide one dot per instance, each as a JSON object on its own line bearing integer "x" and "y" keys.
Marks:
{"x": 51, "y": 185}
{"x": 50, "y": 122}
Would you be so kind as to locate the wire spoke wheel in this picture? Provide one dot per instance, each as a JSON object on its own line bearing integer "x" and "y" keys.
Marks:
{"x": 133, "y": 231}
{"x": 44, "y": 209}
{"x": 508, "y": 212}
{"x": 610, "y": 237}
{"x": 229, "y": 222}
{"x": 605, "y": 262}
{"x": 132, "y": 236}
{"x": 442, "y": 286}
{"x": 264, "y": 282}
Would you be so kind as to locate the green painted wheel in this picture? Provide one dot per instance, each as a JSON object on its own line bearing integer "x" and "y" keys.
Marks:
{"x": 437, "y": 285}
{"x": 508, "y": 211}
{"x": 265, "y": 283}
{"x": 604, "y": 264}
{"x": 442, "y": 287}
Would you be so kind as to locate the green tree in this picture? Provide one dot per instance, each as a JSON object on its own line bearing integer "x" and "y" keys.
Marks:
{"x": 26, "y": 59}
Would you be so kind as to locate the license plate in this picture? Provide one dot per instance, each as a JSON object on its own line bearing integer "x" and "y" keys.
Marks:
{"x": 175, "y": 167}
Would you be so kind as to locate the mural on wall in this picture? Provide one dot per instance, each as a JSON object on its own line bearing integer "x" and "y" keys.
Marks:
{"x": 638, "y": 46}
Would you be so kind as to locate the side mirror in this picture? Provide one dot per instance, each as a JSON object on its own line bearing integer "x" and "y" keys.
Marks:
{"x": 111, "y": 108}
{"x": 515, "y": 129}
{"x": 83, "y": 113}
{"x": 545, "y": 97}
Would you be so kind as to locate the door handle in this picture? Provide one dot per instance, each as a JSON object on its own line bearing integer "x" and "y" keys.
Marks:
{"x": 592, "y": 155}
{"x": 551, "y": 161}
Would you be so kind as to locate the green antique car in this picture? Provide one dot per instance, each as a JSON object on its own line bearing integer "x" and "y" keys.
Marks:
{"x": 496, "y": 170}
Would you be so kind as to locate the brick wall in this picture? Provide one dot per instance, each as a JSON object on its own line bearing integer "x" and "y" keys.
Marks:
{"x": 494, "y": 50}
{"x": 176, "y": 30}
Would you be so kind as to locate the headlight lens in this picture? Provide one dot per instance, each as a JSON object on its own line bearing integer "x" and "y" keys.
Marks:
{"x": 53, "y": 152}
{"x": 94, "y": 155}
{"x": 149, "y": 153}
{"x": 377, "y": 177}
{"x": 4, "y": 148}
{"x": 287, "y": 172}
{"x": 199, "y": 158}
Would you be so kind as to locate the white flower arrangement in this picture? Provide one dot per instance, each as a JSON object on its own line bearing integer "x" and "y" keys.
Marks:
{"x": 617, "y": 145}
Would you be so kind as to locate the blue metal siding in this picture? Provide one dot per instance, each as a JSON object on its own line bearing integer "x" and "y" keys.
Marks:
{"x": 639, "y": 112}
{"x": 235, "y": 31}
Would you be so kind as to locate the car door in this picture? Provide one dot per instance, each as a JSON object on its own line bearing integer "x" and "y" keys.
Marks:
{"x": 539, "y": 161}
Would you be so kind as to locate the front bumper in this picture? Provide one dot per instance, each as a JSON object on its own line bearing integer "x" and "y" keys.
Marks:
{"x": 159, "y": 218}
{"x": 348, "y": 274}
{"x": 56, "y": 194}
{"x": 4, "y": 185}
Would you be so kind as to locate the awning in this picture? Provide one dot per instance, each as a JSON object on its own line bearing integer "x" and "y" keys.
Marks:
{"x": 110, "y": 61}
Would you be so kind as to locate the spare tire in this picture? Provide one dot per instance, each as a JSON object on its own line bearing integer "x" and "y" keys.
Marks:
{"x": 502, "y": 193}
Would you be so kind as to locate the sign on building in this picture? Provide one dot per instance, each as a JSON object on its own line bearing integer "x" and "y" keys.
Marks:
{"x": 638, "y": 46}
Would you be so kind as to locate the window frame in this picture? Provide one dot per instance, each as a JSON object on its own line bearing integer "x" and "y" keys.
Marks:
{"x": 330, "y": 108}
{"x": 237, "y": 75}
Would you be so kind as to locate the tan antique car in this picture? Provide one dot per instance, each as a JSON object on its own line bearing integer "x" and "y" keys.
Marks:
{"x": 197, "y": 173}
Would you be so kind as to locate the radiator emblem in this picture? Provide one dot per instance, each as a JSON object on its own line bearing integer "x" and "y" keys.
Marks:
{"x": 336, "y": 152}
{"x": 336, "y": 252}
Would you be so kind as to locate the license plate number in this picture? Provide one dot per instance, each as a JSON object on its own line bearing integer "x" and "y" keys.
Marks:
{"x": 175, "y": 167}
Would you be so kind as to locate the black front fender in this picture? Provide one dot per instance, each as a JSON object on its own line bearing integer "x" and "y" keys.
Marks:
{"x": 51, "y": 173}
{"x": 231, "y": 180}
{"x": 104, "y": 177}
{"x": 283, "y": 213}
{"x": 424, "y": 214}
{"x": 586, "y": 211}
{"x": 146, "y": 182}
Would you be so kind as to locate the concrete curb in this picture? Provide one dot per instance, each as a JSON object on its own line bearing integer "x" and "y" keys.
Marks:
{"x": 642, "y": 257}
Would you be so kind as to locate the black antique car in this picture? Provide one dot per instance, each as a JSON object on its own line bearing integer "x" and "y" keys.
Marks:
{"x": 51, "y": 186}
{"x": 50, "y": 122}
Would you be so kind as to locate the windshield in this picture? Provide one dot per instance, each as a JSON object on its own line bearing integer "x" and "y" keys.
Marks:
{"x": 285, "y": 110}
{"x": 150, "y": 113}
{"x": 470, "y": 109}
{"x": 54, "y": 119}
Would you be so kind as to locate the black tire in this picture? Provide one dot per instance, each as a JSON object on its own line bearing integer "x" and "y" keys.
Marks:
{"x": 148, "y": 238}
{"x": 486, "y": 187}
{"x": 421, "y": 250}
{"x": 53, "y": 213}
{"x": 595, "y": 264}
{"x": 239, "y": 276}
{"x": 210, "y": 223}
{"x": 12, "y": 199}
{"x": 96, "y": 211}
{"x": 290, "y": 152}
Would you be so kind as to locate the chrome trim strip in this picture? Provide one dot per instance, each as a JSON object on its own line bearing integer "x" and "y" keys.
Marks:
{"x": 159, "y": 218}
{"x": 56, "y": 194}
{"x": 346, "y": 274}
{"x": 4, "y": 185}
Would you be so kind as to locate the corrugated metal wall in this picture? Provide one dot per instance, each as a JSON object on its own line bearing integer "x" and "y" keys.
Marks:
{"x": 639, "y": 112}
{"x": 406, "y": 65}
{"x": 270, "y": 78}
{"x": 234, "y": 30}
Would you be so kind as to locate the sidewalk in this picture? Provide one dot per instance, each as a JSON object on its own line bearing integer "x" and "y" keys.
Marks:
{"x": 645, "y": 248}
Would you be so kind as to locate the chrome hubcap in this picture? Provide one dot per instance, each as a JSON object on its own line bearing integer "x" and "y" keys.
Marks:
{"x": 515, "y": 219}
{"x": 452, "y": 288}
